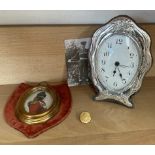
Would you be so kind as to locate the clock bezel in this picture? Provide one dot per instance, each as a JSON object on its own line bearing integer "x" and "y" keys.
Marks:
{"x": 121, "y": 25}
{"x": 140, "y": 61}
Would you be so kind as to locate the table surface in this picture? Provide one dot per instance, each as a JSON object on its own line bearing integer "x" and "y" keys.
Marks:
{"x": 35, "y": 54}
{"x": 111, "y": 123}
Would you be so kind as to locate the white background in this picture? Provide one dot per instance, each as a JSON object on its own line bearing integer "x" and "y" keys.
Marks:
{"x": 50, "y": 17}
{"x": 71, "y": 17}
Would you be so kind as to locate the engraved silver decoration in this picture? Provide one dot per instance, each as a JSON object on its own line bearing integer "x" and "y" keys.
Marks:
{"x": 122, "y": 25}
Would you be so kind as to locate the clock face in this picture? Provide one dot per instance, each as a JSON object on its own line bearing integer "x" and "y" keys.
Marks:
{"x": 117, "y": 61}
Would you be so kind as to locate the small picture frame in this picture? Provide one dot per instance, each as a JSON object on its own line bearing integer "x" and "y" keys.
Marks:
{"x": 78, "y": 69}
{"x": 37, "y": 105}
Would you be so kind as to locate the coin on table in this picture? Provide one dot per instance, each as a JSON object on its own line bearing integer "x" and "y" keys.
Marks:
{"x": 85, "y": 117}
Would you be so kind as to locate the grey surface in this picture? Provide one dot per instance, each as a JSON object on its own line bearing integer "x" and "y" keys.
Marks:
{"x": 72, "y": 17}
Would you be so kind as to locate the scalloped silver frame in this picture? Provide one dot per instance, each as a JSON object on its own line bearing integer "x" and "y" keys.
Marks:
{"x": 122, "y": 25}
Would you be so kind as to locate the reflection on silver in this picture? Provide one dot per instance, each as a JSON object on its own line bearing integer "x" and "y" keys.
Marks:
{"x": 122, "y": 25}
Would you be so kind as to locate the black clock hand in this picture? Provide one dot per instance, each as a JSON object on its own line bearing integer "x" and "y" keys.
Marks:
{"x": 114, "y": 72}
{"x": 116, "y": 65}
{"x": 120, "y": 74}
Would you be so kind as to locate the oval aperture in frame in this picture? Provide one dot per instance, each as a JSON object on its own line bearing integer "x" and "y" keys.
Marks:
{"x": 37, "y": 105}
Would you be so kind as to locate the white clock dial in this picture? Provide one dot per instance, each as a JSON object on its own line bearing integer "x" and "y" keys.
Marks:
{"x": 117, "y": 62}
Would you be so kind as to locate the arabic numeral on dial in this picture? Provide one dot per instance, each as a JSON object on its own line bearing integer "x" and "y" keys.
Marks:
{"x": 119, "y": 41}
{"x": 103, "y": 62}
{"x": 132, "y": 55}
{"x": 106, "y": 54}
{"x": 129, "y": 73}
{"x": 106, "y": 78}
{"x": 109, "y": 45}
{"x": 115, "y": 84}
{"x": 132, "y": 65}
{"x": 124, "y": 81}
{"x": 102, "y": 69}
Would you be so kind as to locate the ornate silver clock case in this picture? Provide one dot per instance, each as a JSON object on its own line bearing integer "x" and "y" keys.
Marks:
{"x": 121, "y": 25}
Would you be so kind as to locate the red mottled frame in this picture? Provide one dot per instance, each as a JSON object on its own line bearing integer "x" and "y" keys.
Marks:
{"x": 36, "y": 129}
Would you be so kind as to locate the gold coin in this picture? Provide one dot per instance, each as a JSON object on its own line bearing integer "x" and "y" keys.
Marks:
{"x": 85, "y": 117}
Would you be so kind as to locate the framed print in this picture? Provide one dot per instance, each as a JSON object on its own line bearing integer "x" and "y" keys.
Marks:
{"x": 37, "y": 105}
{"x": 78, "y": 70}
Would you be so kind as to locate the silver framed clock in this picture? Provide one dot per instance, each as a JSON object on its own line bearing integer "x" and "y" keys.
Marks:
{"x": 119, "y": 58}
